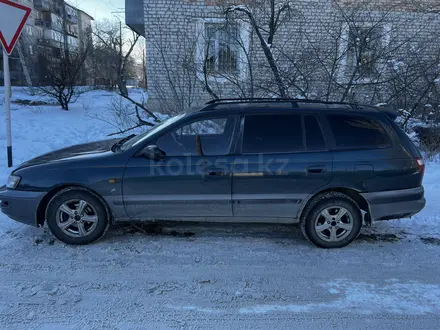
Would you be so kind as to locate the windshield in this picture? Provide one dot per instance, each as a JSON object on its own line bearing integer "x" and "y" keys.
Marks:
{"x": 142, "y": 137}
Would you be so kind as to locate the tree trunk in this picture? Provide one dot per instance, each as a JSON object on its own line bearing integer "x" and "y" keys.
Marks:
{"x": 267, "y": 52}
{"x": 122, "y": 87}
{"x": 65, "y": 105}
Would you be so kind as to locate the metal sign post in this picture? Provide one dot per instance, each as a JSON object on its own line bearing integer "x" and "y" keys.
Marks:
{"x": 13, "y": 17}
{"x": 7, "y": 81}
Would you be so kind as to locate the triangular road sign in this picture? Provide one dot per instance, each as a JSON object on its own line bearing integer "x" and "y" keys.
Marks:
{"x": 13, "y": 17}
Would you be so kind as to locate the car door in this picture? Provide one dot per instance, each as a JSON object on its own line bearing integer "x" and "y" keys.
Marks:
{"x": 283, "y": 160}
{"x": 194, "y": 179}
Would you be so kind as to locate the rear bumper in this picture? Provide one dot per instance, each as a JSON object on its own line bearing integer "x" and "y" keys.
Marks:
{"x": 395, "y": 204}
{"x": 20, "y": 206}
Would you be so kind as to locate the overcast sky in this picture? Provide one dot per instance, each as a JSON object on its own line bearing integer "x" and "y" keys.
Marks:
{"x": 100, "y": 9}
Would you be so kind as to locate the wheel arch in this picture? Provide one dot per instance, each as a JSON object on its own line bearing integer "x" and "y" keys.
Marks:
{"x": 41, "y": 209}
{"x": 350, "y": 192}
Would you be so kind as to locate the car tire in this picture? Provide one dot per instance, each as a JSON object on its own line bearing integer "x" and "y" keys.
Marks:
{"x": 331, "y": 220}
{"x": 77, "y": 216}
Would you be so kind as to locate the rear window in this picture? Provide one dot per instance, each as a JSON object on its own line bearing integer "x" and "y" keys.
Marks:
{"x": 405, "y": 141}
{"x": 358, "y": 132}
{"x": 272, "y": 134}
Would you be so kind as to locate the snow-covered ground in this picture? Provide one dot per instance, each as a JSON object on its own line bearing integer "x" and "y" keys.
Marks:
{"x": 220, "y": 276}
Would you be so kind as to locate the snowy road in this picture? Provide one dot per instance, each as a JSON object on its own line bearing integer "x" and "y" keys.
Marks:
{"x": 223, "y": 277}
{"x": 220, "y": 277}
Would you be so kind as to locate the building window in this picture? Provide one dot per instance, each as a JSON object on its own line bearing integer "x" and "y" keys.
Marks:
{"x": 221, "y": 48}
{"x": 71, "y": 12}
{"x": 39, "y": 32}
{"x": 72, "y": 29}
{"x": 57, "y": 36}
{"x": 56, "y": 52}
{"x": 29, "y": 30}
{"x": 73, "y": 42}
{"x": 362, "y": 46}
{"x": 57, "y": 22}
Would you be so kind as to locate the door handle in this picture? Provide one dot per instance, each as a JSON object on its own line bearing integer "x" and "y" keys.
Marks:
{"x": 316, "y": 169}
{"x": 216, "y": 173}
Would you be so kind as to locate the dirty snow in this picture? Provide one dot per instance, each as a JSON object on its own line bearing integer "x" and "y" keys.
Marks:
{"x": 223, "y": 276}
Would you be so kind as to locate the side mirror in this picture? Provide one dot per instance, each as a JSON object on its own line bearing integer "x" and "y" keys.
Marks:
{"x": 153, "y": 152}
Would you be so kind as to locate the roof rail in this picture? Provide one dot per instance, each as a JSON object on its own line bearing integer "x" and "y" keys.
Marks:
{"x": 245, "y": 100}
{"x": 214, "y": 103}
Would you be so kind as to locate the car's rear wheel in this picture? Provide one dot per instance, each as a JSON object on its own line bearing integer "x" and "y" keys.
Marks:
{"x": 331, "y": 220}
{"x": 77, "y": 216}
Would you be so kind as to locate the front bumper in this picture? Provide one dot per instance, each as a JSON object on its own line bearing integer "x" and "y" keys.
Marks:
{"x": 395, "y": 204}
{"x": 19, "y": 205}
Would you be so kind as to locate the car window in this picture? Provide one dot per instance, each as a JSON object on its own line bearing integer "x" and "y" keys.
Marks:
{"x": 272, "y": 134}
{"x": 215, "y": 138}
{"x": 142, "y": 137}
{"x": 204, "y": 127}
{"x": 358, "y": 132}
{"x": 314, "y": 137}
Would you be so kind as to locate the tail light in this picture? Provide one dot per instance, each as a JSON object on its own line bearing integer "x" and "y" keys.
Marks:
{"x": 420, "y": 165}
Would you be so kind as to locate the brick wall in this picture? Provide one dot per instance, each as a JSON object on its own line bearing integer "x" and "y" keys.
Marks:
{"x": 172, "y": 29}
{"x": 395, "y": 5}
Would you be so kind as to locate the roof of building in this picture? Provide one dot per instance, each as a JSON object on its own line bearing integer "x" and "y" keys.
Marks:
{"x": 80, "y": 10}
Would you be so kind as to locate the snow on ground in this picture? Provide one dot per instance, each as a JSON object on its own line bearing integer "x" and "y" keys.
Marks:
{"x": 222, "y": 277}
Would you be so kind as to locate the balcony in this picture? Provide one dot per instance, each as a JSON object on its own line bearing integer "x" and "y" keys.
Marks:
{"x": 53, "y": 6}
{"x": 72, "y": 32}
{"x": 43, "y": 5}
{"x": 134, "y": 16}
{"x": 71, "y": 19}
{"x": 43, "y": 23}
{"x": 53, "y": 38}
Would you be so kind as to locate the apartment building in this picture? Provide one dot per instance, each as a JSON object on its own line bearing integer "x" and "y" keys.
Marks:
{"x": 329, "y": 49}
{"x": 53, "y": 25}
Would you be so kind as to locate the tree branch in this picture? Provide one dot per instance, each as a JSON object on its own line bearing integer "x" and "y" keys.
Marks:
{"x": 267, "y": 51}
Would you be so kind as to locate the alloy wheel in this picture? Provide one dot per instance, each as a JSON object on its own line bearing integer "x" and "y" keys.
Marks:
{"x": 77, "y": 218}
{"x": 334, "y": 224}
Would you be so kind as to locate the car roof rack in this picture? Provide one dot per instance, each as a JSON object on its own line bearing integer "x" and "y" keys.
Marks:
{"x": 213, "y": 104}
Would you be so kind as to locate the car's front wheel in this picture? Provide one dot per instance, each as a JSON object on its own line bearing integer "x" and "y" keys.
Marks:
{"x": 77, "y": 216}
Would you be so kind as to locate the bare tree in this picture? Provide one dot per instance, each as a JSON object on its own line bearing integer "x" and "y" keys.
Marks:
{"x": 265, "y": 24}
{"x": 115, "y": 45}
{"x": 103, "y": 61}
{"x": 184, "y": 78}
{"x": 60, "y": 69}
{"x": 359, "y": 52}
{"x": 349, "y": 59}
{"x": 179, "y": 90}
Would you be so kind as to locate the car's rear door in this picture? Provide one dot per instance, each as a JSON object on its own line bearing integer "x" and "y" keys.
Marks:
{"x": 283, "y": 159}
{"x": 369, "y": 156}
